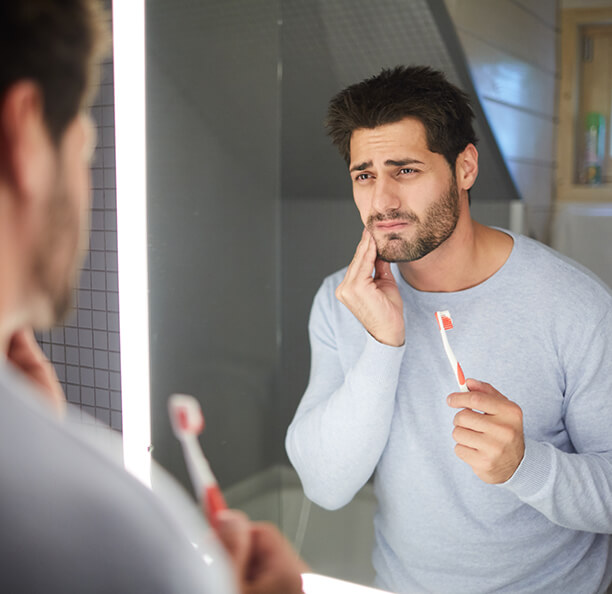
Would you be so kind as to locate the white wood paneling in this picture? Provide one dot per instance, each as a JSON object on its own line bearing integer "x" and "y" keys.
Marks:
{"x": 507, "y": 78}
{"x": 544, "y": 9}
{"x": 521, "y": 135}
{"x": 565, "y": 4}
{"x": 507, "y": 26}
{"x": 533, "y": 180}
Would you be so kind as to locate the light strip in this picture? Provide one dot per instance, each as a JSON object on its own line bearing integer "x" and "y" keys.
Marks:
{"x": 313, "y": 583}
{"x": 129, "y": 83}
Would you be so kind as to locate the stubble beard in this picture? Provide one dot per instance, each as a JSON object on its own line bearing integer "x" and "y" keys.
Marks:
{"x": 56, "y": 262}
{"x": 437, "y": 226}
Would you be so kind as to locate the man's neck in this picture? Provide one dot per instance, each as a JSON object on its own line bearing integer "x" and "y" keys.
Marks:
{"x": 13, "y": 309}
{"x": 471, "y": 255}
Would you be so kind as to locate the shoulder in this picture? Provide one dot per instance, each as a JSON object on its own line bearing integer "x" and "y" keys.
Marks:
{"x": 72, "y": 506}
{"x": 545, "y": 268}
{"x": 325, "y": 296}
{"x": 331, "y": 281}
{"x": 330, "y": 317}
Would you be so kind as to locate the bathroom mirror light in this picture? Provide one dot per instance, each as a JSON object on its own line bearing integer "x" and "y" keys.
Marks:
{"x": 319, "y": 584}
{"x": 129, "y": 84}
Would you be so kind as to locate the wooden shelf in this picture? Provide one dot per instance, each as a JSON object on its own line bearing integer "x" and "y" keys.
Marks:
{"x": 584, "y": 193}
{"x": 572, "y": 20}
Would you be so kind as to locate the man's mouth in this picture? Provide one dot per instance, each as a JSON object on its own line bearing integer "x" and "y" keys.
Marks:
{"x": 390, "y": 226}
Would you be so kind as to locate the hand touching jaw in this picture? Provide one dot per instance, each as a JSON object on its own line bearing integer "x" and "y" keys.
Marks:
{"x": 375, "y": 301}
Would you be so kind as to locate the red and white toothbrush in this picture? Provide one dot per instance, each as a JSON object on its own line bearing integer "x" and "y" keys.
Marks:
{"x": 445, "y": 323}
{"x": 187, "y": 423}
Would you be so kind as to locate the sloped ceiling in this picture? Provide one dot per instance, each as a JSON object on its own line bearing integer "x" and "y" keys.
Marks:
{"x": 326, "y": 45}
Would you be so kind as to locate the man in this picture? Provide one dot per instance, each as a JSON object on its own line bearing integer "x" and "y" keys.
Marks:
{"x": 71, "y": 520}
{"x": 506, "y": 487}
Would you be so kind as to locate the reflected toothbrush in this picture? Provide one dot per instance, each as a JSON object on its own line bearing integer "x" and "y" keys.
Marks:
{"x": 187, "y": 423}
{"x": 445, "y": 323}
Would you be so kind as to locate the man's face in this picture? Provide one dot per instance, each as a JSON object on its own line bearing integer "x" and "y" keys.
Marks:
{"x": 406, "y": 195}
{"x": 64, "y": 220}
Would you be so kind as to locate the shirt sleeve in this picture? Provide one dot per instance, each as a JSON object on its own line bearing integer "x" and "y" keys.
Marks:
{"x": 342, "y": 423}
{"x": 574, "y": 488}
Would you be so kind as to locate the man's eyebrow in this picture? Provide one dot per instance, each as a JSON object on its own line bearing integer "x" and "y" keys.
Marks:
{"x": 361, "y": 166}
{"x": 403, "y": 162}
{"x": 388, "y": 163}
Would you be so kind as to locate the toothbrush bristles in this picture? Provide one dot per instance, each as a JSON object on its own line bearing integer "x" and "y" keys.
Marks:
{"x": 444, "y": 320}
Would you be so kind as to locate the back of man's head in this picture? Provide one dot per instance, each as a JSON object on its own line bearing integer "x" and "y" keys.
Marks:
{"x": 419, "y": 92}
{"x": 57, "y": 44}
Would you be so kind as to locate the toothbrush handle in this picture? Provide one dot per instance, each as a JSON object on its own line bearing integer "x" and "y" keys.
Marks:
{"x": 215, "y": 502}
{"x": 461, "y": 379}
{"x": 454, "y": 363}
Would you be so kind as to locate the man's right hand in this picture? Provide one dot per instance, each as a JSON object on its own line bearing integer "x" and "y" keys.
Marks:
{"x": 264, "y": 561}
{"x": 374, "y": 300}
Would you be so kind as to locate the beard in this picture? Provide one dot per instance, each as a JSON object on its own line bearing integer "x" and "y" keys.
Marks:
{"x": 57, "y": 255}
{"x": 438, "y": 224}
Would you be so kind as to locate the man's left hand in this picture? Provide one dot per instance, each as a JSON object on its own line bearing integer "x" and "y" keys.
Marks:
{"x": 490, "y": 441}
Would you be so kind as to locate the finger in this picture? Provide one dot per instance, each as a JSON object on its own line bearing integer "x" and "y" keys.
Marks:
{"x": 233, "y": 529}
{"x": 382, "y": 270}
{"x": 468, "y": 455}
{"x": 473, "y": 420}
{"x": 274, "y": 567}
{"x": 476, "y": 400}
{"x": 272, "y": 541}
{"x": 469, "y": 438}
{"x": 364, "y": 259}
{"x": 477, "y": 385}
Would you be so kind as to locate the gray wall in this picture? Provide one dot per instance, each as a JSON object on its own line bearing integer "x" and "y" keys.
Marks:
{"x": 212, "y": 176}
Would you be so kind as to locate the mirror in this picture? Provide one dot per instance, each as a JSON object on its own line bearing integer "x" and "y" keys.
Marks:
{"x": 249, "y": 208}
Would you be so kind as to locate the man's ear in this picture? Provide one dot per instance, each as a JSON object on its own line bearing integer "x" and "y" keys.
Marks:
{"x": 25, "y": 155}
{"x": 467, "y": 167}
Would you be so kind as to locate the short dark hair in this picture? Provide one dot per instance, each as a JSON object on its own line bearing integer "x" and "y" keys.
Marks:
{"x": 58, "y": 45}
{"x": 404, "y": 91}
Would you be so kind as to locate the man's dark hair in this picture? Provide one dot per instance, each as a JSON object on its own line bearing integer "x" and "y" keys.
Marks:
{"x": 57, "y": 44}
{"x": 419, "y": 92}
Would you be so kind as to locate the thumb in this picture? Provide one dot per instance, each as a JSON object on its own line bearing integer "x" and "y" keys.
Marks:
{"x": 234, "y": 530}
{"x": 474, "y": 384}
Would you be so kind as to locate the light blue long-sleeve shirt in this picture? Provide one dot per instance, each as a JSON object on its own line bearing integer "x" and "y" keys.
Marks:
{"x": 540, "y": 331}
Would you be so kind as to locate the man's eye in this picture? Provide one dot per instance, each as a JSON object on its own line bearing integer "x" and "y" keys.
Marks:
{"x": 362, "y": 177}
{"x": 407, "y": 170}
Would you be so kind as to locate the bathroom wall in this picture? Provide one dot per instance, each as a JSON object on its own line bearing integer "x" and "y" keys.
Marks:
{"x": 212, "y": 176}
{"x": 85, "y": 350}
{"x": 511, "y": 49}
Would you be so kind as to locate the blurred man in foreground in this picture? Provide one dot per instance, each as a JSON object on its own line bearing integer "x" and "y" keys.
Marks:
{"x": 71, "y": 520}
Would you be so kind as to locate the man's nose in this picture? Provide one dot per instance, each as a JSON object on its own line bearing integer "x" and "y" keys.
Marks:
{"x": 386, "y": 197}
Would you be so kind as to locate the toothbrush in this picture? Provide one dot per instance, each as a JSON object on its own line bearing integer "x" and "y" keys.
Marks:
{"x": 187, "y": 423}
{"x": 445, "y": 323}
